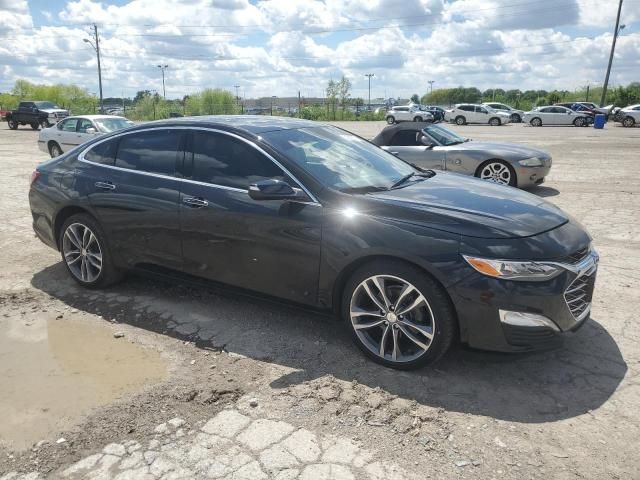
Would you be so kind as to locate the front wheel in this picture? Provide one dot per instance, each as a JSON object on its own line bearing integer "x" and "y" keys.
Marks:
{"x": 461, "y": 120}
{"x": 417, "y": 119}
{"x": 494, "y": 122}
{"x": 13, "y": 125}
{"x": 536, "y": 122}
{"x": 628, "y": 122}
{"x": 35, "y": 125}
{"x": 85, "y": 254}
{"x": 398, "y": 315}
{"x": 579, "y": 122}
{"x": 497, "y": 171}
{"x": 391, "y": 120}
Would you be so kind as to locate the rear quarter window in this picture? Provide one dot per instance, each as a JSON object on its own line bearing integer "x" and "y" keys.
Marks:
{"x": 103, "y": 153}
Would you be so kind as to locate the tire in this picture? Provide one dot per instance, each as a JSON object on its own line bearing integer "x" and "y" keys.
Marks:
{"x": 35, "y": 126}
{"x": 55, "y": 150}
{"x": 460, "y": 120}
{"x": 45, "y": 124}
{"x": 87, "y": 273}
{"x": 434, "y": 315}
{"x": 417, "y": 119}
{"x": 515, "y": 118}
{"x": 390, "y": 120}
{"x": 628, "y": 122}
{"x": 536, "y": 122}
{"x": 579, "y": 122}
{"x": 495, "y": 122}
{"x": 497, "y": 171}
{"x": 13, "y": 125}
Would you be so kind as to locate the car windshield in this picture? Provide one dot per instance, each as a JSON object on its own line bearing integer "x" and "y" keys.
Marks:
{"x": 338, "y": 159}
{"x": 46, "y": 105}
{"x": 107, "y": 125}
{"x": 443, "y": 136}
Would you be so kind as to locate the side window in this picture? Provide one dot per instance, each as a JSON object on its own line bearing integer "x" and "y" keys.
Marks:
{"x": 466, "y": 108}
{"x": 546, "y": 110}
{"x": 69, "y": 125}
{"x": 103, "y": 153}
{"x": 481, "y": 110}
{"x": 154, "y": 151}
{"x": 83, "y": 124}
{"x": 404, "y": 138}
{"x": 223, "y": 160}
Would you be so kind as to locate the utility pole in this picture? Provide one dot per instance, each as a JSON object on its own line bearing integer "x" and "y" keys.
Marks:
{"x": 369, "y": 75}
{"x": 237, "y": 97}
{"x": 96, "y": 46}
{"x": 163, "y": 68}
{"x": 431, "y": 82}
{"x": 616, "y": 32}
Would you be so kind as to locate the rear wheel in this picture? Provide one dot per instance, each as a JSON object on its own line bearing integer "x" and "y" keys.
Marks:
{"x": 536, "y": 122}
{"x": 494, "y": 122}
{"x": 460, "y": 120}
{"x": 85, "y": 254}
{"x": 391, "y": 120}
{"x": 398, "y": 315}
{"x": 497, "y": 171}
{"x": 628, "y": 122}
{"x": 45, "y": 124}
{"x": 55, "y": 150}
{"x": 579, "y": 122}
{"x": 13, "y": 125}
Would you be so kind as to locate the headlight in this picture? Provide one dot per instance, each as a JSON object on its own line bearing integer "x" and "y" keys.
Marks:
{"x": 531, "y": 162}
{"x": 513, "y": 270}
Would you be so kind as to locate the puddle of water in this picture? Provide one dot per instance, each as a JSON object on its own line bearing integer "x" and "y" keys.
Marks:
{"x": 53, "y": 372}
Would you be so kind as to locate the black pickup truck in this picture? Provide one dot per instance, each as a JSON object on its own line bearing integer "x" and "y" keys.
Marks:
{"x": 36, "y": 114}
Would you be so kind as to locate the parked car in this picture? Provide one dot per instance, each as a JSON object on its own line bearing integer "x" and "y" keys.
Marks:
{"x": 35, "y": 114}
{"x": 554, "y": 115}
{"x": 630, "y": 115}
{"x": 407, "y": 114}
{"x": 516, "y": 115}
{"x": 464, "y": 113}
{"x": 436, "y": 147}
{"x": 73, "y": 131}
{"x": 3, "y": 114}
{"x": 584, "y": 110}
{"x": 437, "y": 112}
{"x": 309, "y": 213}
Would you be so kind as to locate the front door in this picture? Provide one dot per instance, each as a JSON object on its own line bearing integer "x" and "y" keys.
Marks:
{"x": 405, "y": 144}
{"x": 130, "y": 182}
{"x": 270, "y": 246}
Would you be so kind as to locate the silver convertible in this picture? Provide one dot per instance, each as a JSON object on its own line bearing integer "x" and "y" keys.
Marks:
{"x": 435, "y": 147}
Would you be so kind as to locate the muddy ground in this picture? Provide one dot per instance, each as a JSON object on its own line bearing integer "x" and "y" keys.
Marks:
{"x": 189, "y": 352}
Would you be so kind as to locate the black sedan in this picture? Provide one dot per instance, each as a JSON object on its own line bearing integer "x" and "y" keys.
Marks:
{"x": 411, "y": 259}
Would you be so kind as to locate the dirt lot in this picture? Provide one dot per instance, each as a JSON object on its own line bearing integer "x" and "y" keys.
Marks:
{"x": 71, "y": 387}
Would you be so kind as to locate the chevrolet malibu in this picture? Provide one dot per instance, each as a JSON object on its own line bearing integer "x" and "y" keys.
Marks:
{"x": 411, "y": 259}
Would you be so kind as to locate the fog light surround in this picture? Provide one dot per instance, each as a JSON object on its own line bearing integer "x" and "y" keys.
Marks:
{"x": 524, "y": 319}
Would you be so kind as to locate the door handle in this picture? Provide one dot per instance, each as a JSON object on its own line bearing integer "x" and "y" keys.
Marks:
{"x": 105, "y": 185}
{"x": 195, "y": 202}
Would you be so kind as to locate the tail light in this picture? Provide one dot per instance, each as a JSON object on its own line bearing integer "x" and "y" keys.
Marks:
{"x": 35, "y": 176}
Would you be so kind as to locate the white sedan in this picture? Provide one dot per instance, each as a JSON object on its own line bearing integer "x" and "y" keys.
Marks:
{"x": 630, "y": 115}
{"x": 554, "y": 115}
{"x": 73, "y": 131}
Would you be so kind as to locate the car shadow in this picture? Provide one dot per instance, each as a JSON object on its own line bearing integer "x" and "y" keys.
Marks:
{"x": 544, "y": 191}
{"x": 528, "y": 388}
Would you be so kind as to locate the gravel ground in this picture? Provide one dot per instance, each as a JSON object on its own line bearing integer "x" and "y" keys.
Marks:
{"x": 256, "y": 389}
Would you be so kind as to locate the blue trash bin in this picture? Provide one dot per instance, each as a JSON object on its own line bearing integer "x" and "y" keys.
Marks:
{"x": 598, "y": 122}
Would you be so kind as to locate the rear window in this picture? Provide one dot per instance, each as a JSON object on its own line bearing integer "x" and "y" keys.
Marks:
{"x": 153, "y": 152}
{"x": 104, "y": 153}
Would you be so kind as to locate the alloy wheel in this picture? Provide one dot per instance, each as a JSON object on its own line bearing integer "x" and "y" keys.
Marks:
{"x": 628, "y": 122}
{"x": 392, "y": 319}
{"x": 56, "y": 151}
{"x": 82, "y": 252}
{"x": 496, "y": 172}
{"x": 536, "y": 122}
{"x": 460, "y": 121}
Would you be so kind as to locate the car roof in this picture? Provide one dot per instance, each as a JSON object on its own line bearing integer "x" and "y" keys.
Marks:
{"x": 387, "y": 133}
{"x": 95, "y": 117}
{"x": 252, "y": 124}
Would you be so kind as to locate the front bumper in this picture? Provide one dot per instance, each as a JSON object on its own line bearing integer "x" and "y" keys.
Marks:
{"x": 549, "y": 310}
{"x": 531, "y": 176}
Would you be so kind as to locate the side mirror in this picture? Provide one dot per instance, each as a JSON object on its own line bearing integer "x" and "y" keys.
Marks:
{"x": 272, "y": 189}
{"x": 426, "y": 142}
{"x": 91, "y": 131}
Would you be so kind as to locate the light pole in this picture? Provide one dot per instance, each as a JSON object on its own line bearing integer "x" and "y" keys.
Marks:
{"x": 369, "y": 75}
{"x": 272, "y": 97}
{"x": 237, "y": 97}
{"x": 163, "y": 68}
{"x": 431, "y": 82}
{"x": 96, "y": 47}
{"x": 616, "y": 32}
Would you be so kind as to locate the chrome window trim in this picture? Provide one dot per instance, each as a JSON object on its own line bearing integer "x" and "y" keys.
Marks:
{"x": 214, "y": 185}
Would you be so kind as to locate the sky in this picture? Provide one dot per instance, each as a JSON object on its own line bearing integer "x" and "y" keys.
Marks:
{"x": 280, "y": 47}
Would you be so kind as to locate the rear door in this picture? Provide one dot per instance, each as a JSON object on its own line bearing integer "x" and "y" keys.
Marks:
{"x": 130, "y": 182}
{"x": 270, "y": 246}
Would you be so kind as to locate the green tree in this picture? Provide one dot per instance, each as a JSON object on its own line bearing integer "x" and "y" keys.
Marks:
{"x": 415, "y": 98}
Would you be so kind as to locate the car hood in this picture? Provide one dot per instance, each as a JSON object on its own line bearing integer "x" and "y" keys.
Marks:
{"x": 467, "y": 206}
{"x": 53, "y": 110}
{"x": 502, "y": 150}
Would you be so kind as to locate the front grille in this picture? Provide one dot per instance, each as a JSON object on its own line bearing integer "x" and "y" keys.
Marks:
{"x": 579, "y": 294}
{"x": 576, "y": 256}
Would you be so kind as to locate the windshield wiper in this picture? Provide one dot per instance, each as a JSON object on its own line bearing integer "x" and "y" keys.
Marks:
{"x": 402, "y": 180}
{"x": 365, "y": 189}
